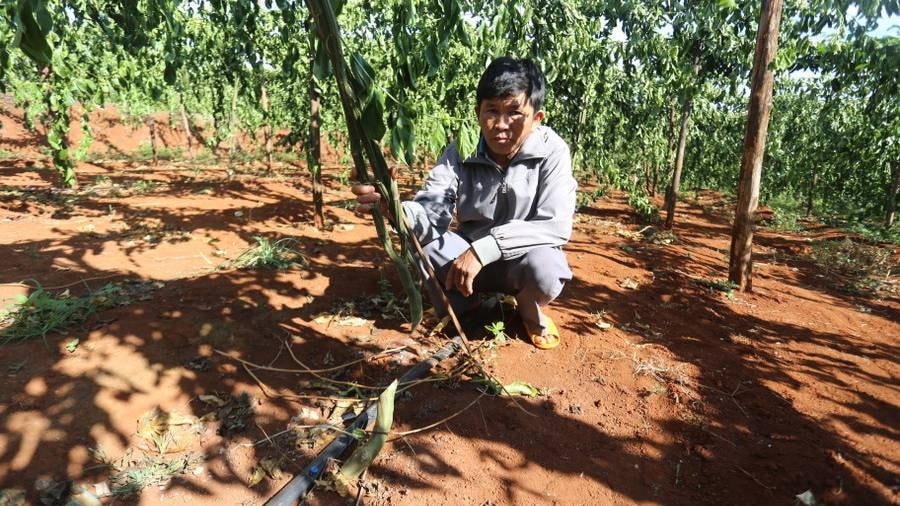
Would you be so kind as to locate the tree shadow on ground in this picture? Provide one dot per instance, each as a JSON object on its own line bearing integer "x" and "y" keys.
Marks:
{"x": 731, "y": 425}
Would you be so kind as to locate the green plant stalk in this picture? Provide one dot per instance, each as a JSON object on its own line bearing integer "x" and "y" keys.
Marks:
{"x": 364, "y": 455}
{"x": 329, "y": 35}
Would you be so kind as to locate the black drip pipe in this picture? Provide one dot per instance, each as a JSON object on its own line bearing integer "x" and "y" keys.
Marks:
{"x": 300, "y": 485}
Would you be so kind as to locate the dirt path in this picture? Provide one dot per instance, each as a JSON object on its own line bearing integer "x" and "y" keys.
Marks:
{"x": 688, "y": 397}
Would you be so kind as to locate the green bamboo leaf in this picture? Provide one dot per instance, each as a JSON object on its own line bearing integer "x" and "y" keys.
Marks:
{"x": 364, "y": 455}
{"x": 373, "y": 117}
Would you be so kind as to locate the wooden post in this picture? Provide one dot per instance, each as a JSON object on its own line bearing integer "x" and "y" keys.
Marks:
{"x": 762, "y": 78}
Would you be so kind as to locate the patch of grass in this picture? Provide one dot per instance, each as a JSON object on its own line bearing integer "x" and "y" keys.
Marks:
{"x": 669, "y": 378}
{"x": 102, "y": 181}
{"x": 866, "y": 266}
{"x": 787, "y": 214}
{"x": 268, "y": 254}
{"x": 144, "y": 186}
{"x": 41, "y": 313}
{"x": 586, "y": 199}
{"x": 5, "y": 155}
{"x": 875, "y": 232}
{"x": 658, "y": 236}
{"x": 144, "y": 152}
{"x": 720, "y": 285}
{"x": 131, "y": 475}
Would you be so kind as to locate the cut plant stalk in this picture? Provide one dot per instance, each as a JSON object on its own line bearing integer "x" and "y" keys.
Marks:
{"x": 364, "y": 455}
{"x": 364, "y": 143}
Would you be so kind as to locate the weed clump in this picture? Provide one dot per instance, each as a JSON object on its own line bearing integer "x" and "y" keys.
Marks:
{"x": 41, "y": 312}
{"x": 268, "y": 254}
{"x": 866, "y": 266}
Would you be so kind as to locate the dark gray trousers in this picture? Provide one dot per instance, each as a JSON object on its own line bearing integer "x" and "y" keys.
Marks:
{"x": 534, "y": 279}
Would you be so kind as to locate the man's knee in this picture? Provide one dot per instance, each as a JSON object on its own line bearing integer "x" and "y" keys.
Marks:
{"x": 546, "y": 271}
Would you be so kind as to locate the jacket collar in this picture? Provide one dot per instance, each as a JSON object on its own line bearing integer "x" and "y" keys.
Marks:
{"x": 534, "y": 147}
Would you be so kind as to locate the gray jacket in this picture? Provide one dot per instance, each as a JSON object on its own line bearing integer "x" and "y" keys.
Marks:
{"x": 503, "y": 214}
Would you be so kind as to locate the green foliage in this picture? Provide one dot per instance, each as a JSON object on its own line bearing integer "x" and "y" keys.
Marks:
{"x": 41, "y": 312}
{"x": 413, "y": 67}
{"x": 864, "y": 268}
{"x": 645, "y": 208}
{"x": 498, "y": 332}
{"x": 267, "y": 254}
{"x": 587, "y": 198}
{"x": 853, "y": 258}
{"x": 719, "y": 285}
{"x": 144, "y": 152}
{"x": 787, "y": 213}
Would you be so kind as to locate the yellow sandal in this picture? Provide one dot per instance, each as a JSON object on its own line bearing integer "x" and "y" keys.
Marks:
{"x": 550, "y": 338}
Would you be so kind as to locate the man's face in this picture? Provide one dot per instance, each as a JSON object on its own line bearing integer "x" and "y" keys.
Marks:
{"x": 505, "y": 123}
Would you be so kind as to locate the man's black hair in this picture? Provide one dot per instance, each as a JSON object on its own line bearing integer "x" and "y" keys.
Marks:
{"x": 506, "y": 77}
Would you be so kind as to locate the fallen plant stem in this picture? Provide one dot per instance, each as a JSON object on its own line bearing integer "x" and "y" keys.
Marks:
{"x": 267, "y": 391}
{"x": 711, "y": 433}
{"x": 399, "y": 435}
{"x": 306, "y": 369}
{"x": 741, "y": 469}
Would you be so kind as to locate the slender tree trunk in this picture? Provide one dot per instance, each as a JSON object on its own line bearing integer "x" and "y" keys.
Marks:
{"x": 648, "y": 177}
{"x": 670, "y": 143}
{"x": 762, "y": 78}
{"x": 672, "y": 191}
{"x": 313, "y": 150}
{"x": 654, "y": 185}
{"x": 154, "y": 148}
{"x": 186, "y": 125}
{"x": 812, "y": 192}
{"x": 267, "y": 128}
{"x": 892, "y": 194}
{"x": 232, "y": 124}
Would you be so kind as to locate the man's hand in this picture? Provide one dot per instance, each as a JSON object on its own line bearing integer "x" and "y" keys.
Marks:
{"x": 462, "y": 273}
{"x": 366, "y": 197}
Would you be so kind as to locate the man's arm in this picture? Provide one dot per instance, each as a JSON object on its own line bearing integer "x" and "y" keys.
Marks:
{"x": 431, "y": 211}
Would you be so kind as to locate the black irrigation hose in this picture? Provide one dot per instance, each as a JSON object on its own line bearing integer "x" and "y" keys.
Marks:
{"x": 300, "y": 485}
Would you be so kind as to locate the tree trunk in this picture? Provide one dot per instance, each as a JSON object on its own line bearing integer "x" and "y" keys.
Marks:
{"x": 267, "y": 127}
{"x": 892, "y": 194}
{"x": 670, "y": 143}
{"x": 154, "y": 148}
{"x": 232, "y": 122}
{"x": 762, "y": 78}
{"x": 186, "y": 125}
{"x": 672, "y": 191}
{"x": 812, "y": 192}
{"x": 313, "y": 150}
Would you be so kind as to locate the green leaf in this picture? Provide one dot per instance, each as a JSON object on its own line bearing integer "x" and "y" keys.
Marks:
{"x": 727, "y": 4}
{"x": 31, "y": 37}
{"x": 520, "y": 388}
{"x": 72, "y": 345}
{"x": 373, "y": 117}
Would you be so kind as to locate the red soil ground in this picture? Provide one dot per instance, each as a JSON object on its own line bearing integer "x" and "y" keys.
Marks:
{"x": 690, "y": 397}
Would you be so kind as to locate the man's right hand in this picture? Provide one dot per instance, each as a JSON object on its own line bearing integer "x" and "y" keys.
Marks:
{"x": 366, "y": 197}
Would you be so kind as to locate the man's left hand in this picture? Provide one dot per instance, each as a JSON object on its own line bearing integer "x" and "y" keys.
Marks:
{"x": 462, "y": 273}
